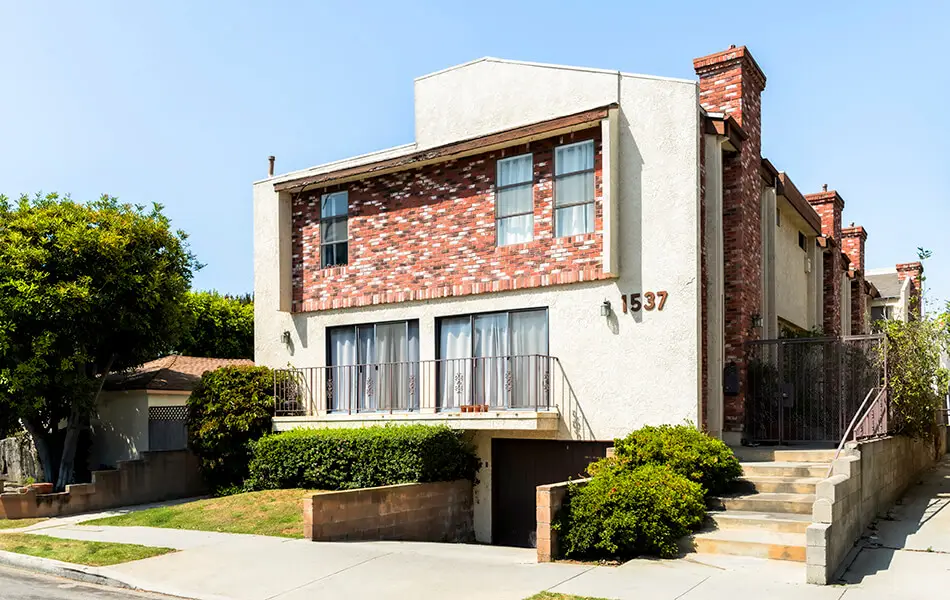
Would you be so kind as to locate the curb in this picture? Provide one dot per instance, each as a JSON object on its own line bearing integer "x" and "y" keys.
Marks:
{"x": 48, "y": 566}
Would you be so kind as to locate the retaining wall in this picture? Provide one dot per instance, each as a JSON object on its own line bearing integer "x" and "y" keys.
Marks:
{"x": 549, "y": 500}
{"x": 157, "y": 476}
{"x": 426, "y": 512}
{"x": 866, "y": 481}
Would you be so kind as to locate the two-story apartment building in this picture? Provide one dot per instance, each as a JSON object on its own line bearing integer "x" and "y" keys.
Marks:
{"x": 561, "y": 256}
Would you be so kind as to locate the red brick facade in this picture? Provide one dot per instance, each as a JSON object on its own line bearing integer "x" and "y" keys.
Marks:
{"x": 829, "y": 205}
{"x": 429, "y": 232}
{"x": 913, "y": 271}
{"x": 731, "y": 82}
{"x": 853, "y": 241}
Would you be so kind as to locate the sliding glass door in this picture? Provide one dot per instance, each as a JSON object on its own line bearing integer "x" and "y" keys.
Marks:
{"x": 493, "y": 359}
{"x": 374, "y": 367}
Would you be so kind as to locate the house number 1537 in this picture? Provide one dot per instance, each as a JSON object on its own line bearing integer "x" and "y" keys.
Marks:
{"x": 645, "y": 301}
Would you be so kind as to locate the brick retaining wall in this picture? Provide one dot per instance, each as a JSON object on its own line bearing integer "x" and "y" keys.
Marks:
{"x": 549, "y": 500}
{"x": 157, "y": 476}
{"x": 423, "y": 512}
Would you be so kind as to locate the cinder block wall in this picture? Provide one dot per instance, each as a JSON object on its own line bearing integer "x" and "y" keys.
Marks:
{"x": 865, "y": 482}
{"x": 157, "y": 476}
{"x": 423, "y": 512}
{"x": 549, "y": 500}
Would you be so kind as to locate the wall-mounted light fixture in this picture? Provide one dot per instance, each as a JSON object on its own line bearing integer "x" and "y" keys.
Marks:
{"x": 285, "y": 337}
{"x": 757, "y": 321}
{"x": 605, "y": 308}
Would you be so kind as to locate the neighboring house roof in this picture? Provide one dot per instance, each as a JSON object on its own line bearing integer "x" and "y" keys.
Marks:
{"x": 174, "y": 372}
{"x": 888, "y": 284}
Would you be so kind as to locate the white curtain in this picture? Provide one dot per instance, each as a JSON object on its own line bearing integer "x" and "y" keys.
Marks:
{"x": 491, "y": 353}
{"x": 455, "y": 348}
{"x": 529, "y": 349}
{"x": 515, "y": 200}
{"x": 343, "y": 372}
{"x": 574, "y": 194}
{"x": 366, "y": 356}
{"x": 392, "y": 347}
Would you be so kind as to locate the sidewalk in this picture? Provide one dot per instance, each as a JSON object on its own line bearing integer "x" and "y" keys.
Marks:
{"x": 247, "y": 567}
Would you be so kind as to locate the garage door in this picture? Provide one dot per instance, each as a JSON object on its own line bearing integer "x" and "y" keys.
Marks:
{"x": 520, "y": 466}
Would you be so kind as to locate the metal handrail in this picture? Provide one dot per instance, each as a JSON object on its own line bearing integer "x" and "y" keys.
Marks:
{"x": 522, "y": 381}
{"x": 854, "y": 421}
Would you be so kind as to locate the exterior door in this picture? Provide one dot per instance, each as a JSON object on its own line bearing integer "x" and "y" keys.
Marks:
{"x": 518, "y": 468}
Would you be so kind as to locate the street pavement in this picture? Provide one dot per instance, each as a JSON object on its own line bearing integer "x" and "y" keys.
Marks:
{"x": 23, "y": 585}
{"x": 907, "y": 557}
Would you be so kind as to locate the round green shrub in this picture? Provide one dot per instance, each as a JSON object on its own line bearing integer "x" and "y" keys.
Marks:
{"x": 228, "y": 409}
{"x": 623, "y": 513}
{"x": 691, "y": 453}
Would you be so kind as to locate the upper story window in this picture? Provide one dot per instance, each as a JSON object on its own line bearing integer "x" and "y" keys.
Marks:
{"x": 334, "y": 208}
{"x": 514, "y": 200}
{"x": 574, "y": 189}
{"x": 802, "y": 241}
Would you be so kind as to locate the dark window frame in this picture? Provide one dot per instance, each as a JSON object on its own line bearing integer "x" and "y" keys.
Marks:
{"x": 335, "y": 246}
{"x": 512, "y": 186}
{"x": 557, "y": 177}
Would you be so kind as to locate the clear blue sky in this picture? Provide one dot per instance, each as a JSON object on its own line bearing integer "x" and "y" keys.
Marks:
{"x": 180, "y": 102}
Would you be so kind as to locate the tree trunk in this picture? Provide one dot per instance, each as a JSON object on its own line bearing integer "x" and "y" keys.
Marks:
{"x": 41, "y": 443}
{"x": 78, "y": 420}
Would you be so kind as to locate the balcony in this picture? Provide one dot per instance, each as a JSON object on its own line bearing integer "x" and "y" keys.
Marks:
{"x": 498, "y": 392}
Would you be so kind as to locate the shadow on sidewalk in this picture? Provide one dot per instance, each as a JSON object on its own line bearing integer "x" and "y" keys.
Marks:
{"x": 917, "y": 523}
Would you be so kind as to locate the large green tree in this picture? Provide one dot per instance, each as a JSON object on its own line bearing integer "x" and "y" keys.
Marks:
{"x": 218, "y": 326}
{"x": 85, "y": 289}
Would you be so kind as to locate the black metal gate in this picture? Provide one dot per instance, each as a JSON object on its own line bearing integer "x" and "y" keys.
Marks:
{"x": 808, "y": 389}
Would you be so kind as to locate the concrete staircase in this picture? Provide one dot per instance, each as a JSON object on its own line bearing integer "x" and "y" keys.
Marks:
{"x": 772, "y": 507}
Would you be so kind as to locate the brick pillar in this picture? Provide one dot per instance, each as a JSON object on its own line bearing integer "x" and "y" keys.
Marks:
{"x": 731, "y": 82}
{"x": 829, "y": 205}
{"x": 913, "y": 271}
{"x": 853, "y": 241}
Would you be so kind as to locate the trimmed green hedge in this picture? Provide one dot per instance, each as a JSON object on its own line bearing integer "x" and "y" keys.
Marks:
{"x": 339, "y": 459}
{"x": 688, "y": 451}
{"x": 625, "y": 513}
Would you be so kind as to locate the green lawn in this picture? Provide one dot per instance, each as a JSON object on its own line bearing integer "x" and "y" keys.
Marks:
{"x": 17, "y": 523}
{"x": 553, "y": 596}
{"x": 81, "y": 552}
{"x": 273, "y": 512}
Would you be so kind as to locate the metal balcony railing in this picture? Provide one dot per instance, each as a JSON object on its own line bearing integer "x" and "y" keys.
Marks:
{"x": 453, "y": 384}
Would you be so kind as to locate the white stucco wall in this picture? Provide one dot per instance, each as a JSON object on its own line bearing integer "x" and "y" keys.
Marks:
{"x": 627, "y": 370}
{"x": 121, "y": 430}
{"x": 793, "y": 291}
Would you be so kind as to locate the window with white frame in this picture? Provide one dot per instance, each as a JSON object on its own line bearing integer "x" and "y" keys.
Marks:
{"x": 334, "y": 208}
{"x": 514, "y": 200}
{"x": 574, "y": 189}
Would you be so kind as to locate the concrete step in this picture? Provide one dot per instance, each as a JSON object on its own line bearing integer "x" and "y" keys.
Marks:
{"x": 777, "y": 522}
{"x": 785, "y": 485}
{"x": 785, "y": 454}
{"x": 785, "y": 469}
{"x": 773, "y": 502}
{"x": 748, "y": 542}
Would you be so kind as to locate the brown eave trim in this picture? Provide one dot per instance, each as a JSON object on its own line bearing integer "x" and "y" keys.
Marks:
{"x": 449, "y": 150}
{"x": 788, "y": 190}
{"x": 727, "y": 127}
{"x": 768, "y": 173}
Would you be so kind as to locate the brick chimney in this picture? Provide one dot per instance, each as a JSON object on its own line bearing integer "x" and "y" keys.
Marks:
{"x": 915, "y": 272}
{"x": 829, "y": 206}
{"x": 731, "y": 82}
{"x": 853, "y": 240}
